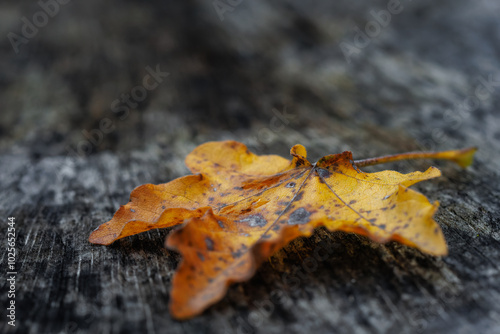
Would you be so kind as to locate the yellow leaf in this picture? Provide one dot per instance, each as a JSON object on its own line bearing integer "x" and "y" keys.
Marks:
{"x": 241, "y": 207}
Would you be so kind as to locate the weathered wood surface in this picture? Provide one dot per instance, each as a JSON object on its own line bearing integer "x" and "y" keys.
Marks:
{"x": 404, "y": 90}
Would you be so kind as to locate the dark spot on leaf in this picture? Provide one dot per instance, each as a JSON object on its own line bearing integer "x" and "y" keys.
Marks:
{"x": 298, "y": 176}
{"x": 210, "y": 243}
{"x": 323, "y": 173}
{"x": 290, "y": 185}
{"x": 254, "y": 220}
{"x": 299, "y": 216}
{"x": 275, "y": 228}
{"x": 382, "y": 226}
{"x": 241, "y": 263}
{"x": 163, "y": 207}
{"x": 352, "y": 202}
{"x": 266, "y": 236}
{"x": 299, "y": 196}
{"x": 236, "y": 254}
{"x": 221, "y": 224}
{"x": 392, "y": 207}
{"x": 299, "y": 162}
{"x": 373, "y": 220}
{"x": 132, "y": 210}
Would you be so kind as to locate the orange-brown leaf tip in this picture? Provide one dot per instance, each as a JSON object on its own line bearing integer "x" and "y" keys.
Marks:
{"x": 334, "y": 160}
{"x": 101, "y": 236}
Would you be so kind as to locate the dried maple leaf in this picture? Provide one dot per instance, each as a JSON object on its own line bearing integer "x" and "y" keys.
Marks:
{"x": 241, "y": 207}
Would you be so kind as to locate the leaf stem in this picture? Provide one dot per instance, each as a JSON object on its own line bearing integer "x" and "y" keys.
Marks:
{"x": 461, "y": 157}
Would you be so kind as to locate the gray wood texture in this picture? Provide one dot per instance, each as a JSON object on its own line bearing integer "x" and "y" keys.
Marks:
{"x": 269, "y": 74}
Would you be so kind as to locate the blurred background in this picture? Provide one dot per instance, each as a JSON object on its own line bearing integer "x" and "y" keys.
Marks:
{"x": 402, "y": 73}
{"x": 98, "y": 97}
